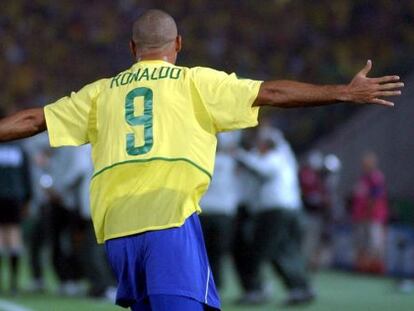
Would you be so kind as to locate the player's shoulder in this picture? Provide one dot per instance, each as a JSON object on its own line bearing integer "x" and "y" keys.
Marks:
{"x": 206, "y": 71}
{"x": 96, "y": 87}
{"x": 203, "y": 75}
{"x": 212, "y": 74}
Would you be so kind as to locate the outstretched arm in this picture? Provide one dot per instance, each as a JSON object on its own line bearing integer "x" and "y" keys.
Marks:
{"x": 363, "y": 90}
{"x": 22, "y": 124}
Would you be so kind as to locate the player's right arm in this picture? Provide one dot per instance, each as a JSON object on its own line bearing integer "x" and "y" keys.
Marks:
{"x": 66, "y": 120}
{"x": 362, "y": 90}
{"x": 22, "y": 124}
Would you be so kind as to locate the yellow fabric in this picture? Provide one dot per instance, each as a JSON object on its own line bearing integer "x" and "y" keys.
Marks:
{"x": 152, "y": 130}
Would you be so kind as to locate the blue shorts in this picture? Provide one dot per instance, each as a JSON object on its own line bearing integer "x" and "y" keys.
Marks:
{"x": 163, "y": 262}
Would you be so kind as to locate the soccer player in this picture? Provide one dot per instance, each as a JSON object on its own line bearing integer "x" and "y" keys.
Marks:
{"x": 152, "y": 129}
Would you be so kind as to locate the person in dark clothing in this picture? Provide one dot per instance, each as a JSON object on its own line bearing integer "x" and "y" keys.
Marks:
{"x": 15, "y": 192}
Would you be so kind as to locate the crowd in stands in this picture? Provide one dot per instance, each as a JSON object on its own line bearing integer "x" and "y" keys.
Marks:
{"x": 50, "y": 48}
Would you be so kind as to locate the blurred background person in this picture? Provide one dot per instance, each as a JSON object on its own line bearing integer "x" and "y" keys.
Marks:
{"x": 369, "y": 216}
{"x": 277, "y": 232}
{"x": 15, "y": 193}
{"x": 70, "y": 235}
{"x": 248, "y": 186}
{"x": 319, "y": 178}
{"x": 91, "y": 255}
{"x": 332, "y": 174}
{"x": 66, "y": 173}
{"x": 313, "y": 191}
{"x": 333, "y": 214}
{"x": 219, "y": 205}
{"x": 38, "y": 236}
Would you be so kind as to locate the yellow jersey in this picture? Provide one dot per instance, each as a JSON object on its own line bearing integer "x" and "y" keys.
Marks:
{"x": 152, "y": 129}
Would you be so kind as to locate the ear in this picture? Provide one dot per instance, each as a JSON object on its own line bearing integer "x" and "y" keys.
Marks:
{"x": 178, "y": 43}
{"x": 133, "y": 48}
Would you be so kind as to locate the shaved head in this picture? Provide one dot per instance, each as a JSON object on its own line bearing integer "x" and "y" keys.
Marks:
{"x": 153, "y": 31}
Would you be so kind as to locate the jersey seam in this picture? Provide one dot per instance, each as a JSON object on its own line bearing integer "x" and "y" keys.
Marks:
{"x": 153, "y": 159}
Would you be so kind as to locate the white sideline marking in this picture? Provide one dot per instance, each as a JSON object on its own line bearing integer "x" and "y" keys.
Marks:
{"x": 9, "y": 306}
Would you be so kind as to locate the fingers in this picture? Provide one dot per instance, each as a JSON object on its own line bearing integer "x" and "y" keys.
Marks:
{"x": 391, "y": 86}
{"x": 385, "y": 79}
{"x": 387, "y": 93}
{"x": 366, "y": 69}
{"x": 382, "y": 102}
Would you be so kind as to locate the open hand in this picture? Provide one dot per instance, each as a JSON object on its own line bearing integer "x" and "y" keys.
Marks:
{"x": 366, "y": 90}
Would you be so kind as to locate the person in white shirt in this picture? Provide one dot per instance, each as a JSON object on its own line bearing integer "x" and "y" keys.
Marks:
{"x": 219, "y": 204}
{"x": 277, "y": 232}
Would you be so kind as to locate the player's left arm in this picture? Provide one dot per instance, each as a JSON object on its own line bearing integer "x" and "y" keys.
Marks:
{"x": 362, "y": 90}
{"x": 22, "y": 124}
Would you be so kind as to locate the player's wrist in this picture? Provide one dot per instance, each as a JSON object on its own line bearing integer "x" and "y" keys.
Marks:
{"x": 342, "y": 93}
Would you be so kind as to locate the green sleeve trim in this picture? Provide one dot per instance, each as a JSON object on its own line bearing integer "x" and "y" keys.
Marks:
{"x": 154, "y": 159}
